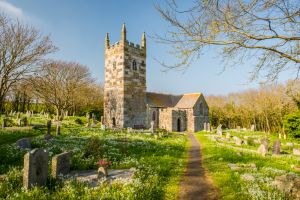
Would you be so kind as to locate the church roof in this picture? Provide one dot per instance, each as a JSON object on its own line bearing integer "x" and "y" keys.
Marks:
{"x": 167, "y": 100}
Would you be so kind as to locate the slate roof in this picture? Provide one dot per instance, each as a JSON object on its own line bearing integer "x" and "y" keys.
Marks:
{"x": 168, "y": 100}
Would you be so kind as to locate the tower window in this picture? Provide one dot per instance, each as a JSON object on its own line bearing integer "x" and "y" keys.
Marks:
{"x": 134, "y": 66}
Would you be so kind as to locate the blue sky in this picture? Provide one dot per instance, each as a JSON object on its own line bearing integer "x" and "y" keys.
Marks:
{"x": 78, "y": 27}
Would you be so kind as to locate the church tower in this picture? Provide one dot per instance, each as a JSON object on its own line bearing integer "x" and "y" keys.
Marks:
{"x": 125, "y": 83}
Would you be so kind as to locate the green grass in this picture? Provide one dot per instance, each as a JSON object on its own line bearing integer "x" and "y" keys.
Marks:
{"x": 216, "y": 158}
{"x": 159, "y": 164}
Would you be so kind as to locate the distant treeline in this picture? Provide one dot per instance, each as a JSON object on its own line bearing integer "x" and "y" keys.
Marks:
{"x": 266, "y": 107}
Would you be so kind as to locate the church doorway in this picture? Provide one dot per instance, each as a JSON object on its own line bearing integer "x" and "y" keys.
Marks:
{"x": 178, "y": 125}
{"x": 114, "y": 121}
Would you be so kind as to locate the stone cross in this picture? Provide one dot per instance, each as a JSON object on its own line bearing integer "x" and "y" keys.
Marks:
{"x": 219, "y": 130}
{"x": 61, "y": 164}
{"x": 58, "y": 128}
{"x": 48, "y": 135}
{"x": 35, "y": 170}
{"x": 276, "y": 147}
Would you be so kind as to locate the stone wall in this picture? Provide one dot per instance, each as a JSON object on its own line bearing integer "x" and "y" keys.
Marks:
{"x": 179, "y": 120}
{"x": 165, "y": 118}
{"x": 153, "y": 113}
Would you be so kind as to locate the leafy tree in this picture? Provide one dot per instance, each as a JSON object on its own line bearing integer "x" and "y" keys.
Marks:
{"x": 292, "y": 124}
{"x": 264, "y": 31}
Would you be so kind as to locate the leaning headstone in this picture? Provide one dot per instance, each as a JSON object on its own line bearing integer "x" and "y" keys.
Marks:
{"x": 3, "y": 123}
{"x": 19, "y": 121}
{"x": 61, "y": 164}
{"x": 58, "y": 128}
{"x": 48, "y": 135}
{"x": 238, "y": 129}
{"x": 219, "y": 130}
{"x": 35, "y": 170}
{"x": 24, "y": 143}
{"x": 276, "y": 147}
{"x": 93, "y": 119}
{"x": 296, "y": 152}
{"x": 263, "y": 148}
{"x": 252, "y": 127}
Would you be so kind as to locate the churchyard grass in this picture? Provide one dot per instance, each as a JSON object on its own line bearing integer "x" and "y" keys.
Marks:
{"x": 244, "y": 182}
{"x": 159, "y": 164}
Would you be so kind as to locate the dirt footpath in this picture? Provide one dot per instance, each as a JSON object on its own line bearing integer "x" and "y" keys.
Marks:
{"x": 195, "y": 183}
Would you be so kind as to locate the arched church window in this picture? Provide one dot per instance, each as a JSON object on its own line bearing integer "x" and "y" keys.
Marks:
{"x": 153, "y": 116}
{"x": 134, "y": 66}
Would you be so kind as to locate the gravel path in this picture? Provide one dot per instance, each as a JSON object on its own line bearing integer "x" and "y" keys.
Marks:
{"x": 195, "y": 183}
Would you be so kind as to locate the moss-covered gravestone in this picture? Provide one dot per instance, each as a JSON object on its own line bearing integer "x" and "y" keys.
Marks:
{"x": 61, "y": 164}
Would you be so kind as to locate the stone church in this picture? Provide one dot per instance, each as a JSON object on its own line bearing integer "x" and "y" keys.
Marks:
{"x": 128, "y": 104}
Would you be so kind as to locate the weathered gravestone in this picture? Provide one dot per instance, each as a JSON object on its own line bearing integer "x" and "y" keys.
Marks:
{"x": 252, "y": 127}
{"x": 219, "y": 130}
{"x": 263, "y": 148}
{"x": 61, "y": 164}
{"x": 35, "y": 168}
{"x": 276, "y": 147}
{"x": 238, "y": 129}
{"x": 93, "y": 119}
{"x": 228, "y": 135}
{"x": 238, "y": 141}
{"x": 88, "y": 119}
{"x": 24, "y": 143}
{"x": 152, "y": 127}
{"x": 204, "y": 126}
{"x": 3, "y": 123}
{"x": 296, "y": 152}
{"x": 208, "y": 127}
{"x": 103, "y": 127}
{"x": 48, "y": 135}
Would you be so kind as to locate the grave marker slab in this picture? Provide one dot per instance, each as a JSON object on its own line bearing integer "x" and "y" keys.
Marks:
{"x": 61, "y": 164}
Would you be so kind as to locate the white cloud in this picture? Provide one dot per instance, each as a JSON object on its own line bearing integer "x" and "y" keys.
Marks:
{"x": 11, "y": 9}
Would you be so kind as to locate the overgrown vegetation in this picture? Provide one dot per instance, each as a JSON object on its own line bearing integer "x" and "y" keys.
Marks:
{"x": 159, "y": 164}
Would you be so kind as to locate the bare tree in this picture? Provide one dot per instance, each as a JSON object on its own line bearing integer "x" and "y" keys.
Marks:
{"x": 59, "y": 83}
{"x": 22, "y": 48}
{"x": 264, "y": 31}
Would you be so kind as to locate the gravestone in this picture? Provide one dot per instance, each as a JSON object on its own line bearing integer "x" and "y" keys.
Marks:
{"x": 152, "y": 127}
{"x": 3, "y": 123}
{"x": 93, "y": 119}
{"x": 61, "y": 164}
{"x": 263, "y": 148}
{"x": 228, "y": 135}
{"x": 208, "y": 127}
{"x": 276, "y": 147}
{"x": 103, "y": 127}
{"x": 58, "y": 128}
{"x": 204, "y": 127}
{"x": 296, "y": 152}
{"x": 252, "y": 127}
{"x": 35, "y": 170}
{"x": 101, "y": 119}
{"x": 289, "y": 144}
{"x": 88, "y": 119}
{"x": 48, "y": 135}
{"x": 219, "y": 130}
{"x": 24, "y": 143}
{"x": 238, "y": 141}
{"x": 238, "y": 129}
{"x": 279, "y": 136}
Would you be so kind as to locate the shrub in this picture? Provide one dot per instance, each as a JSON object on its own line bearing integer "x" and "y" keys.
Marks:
{"x": 291, "y": 124}
{"x": 79, "y": 121}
